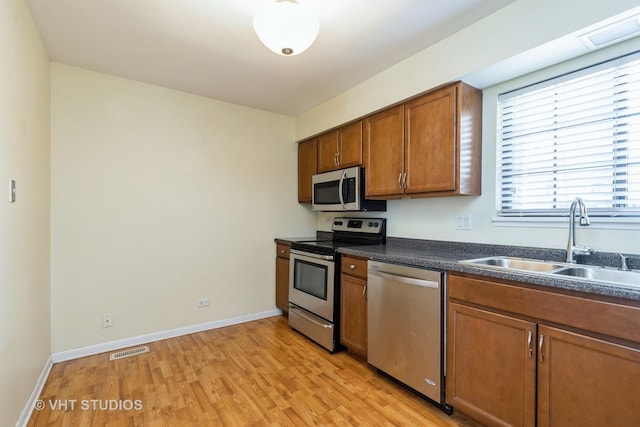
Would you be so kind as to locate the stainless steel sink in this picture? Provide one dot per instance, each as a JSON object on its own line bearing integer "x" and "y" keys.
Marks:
{"x": 629, "y": 278}
{"x": 560, "y": 269}
{"x": 513, "y": 263}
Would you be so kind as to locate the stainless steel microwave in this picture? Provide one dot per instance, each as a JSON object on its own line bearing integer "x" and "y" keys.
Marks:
{"x": 341, "y": 191}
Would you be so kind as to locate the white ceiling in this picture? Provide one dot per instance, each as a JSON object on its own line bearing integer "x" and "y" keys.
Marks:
{"x": 208, "y": 47}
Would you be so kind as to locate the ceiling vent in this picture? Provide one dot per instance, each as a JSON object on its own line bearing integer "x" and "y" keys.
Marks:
{"x": 612, "y": 33}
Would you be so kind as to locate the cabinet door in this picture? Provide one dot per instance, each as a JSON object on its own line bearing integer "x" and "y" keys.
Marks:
{"x": 307, "y": 153}
{"x": 353, "y": 314}
{"x": 350, "y": 145}
{"x": 282, "y": 283}
{"x": 491, "y": 366}
{"x": 584, "y": 381}
{"x": 328, "y": 151}
{"x": 430, "y": 141}
{"x": 384, "y": 152}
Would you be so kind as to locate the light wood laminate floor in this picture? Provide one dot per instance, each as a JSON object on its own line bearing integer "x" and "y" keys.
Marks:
{"x": 259, "y": 373}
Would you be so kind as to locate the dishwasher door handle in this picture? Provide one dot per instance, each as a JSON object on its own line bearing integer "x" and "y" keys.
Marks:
{"x": 406, "y": 280}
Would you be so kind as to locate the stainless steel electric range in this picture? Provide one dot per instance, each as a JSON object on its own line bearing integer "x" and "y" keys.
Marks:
{"x": 314, "y": 278}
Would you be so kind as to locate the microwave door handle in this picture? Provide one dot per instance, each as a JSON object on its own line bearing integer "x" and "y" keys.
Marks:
{"x": 342, "y": 177}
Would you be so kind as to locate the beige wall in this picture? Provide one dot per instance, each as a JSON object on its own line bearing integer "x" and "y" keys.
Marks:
{"x": 511, "y": 38}
{"x": 161, "y": 198}
{"x": 24, "y": 225}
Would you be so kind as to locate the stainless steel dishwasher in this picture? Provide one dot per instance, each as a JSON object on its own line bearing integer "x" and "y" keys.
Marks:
{"x": 405, "y": 327}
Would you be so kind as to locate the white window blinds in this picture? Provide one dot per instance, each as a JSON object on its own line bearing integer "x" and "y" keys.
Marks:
{"x": 574, "y": 135}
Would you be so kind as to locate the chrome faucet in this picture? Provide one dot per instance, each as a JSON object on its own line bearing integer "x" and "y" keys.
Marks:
{"x": 623, "y": 262}
{"x": 572, "y": 249}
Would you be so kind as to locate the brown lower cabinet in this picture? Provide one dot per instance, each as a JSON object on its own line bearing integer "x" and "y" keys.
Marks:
{"x": 524, "y": 357}
{"x": 282, "y": 276}
{"x": 353, "y": 304}
{"x": 586, "y": 381}
{"x": 490, "y": 375}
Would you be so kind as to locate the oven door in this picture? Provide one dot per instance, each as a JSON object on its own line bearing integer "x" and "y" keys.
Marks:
{"x": 311, "y": 283}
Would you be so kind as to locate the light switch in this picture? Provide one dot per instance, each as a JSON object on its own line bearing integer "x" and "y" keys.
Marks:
{"x": 463, "y": 222}
{"x": 12, "y": 191}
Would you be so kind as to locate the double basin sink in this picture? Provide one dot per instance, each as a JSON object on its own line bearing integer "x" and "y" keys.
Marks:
{"x": 559, "y": 269}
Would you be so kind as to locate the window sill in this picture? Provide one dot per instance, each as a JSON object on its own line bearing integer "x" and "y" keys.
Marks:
{"x": 541, "y": 222}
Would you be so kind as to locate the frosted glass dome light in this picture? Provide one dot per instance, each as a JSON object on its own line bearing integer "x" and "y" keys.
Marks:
{"x": 286, "y": 27}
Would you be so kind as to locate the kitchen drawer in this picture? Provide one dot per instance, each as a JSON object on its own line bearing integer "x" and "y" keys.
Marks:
{"x": 283, "y": 250}
{"x": 354, "y": 266}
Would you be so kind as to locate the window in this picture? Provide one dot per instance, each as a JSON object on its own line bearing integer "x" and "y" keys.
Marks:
{"x": 574, "y": 135}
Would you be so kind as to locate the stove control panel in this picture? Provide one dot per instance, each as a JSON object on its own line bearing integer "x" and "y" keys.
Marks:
{"x": 359, "y": 225}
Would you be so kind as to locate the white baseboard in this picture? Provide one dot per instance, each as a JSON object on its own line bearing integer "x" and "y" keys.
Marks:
{"x": 127, "y": 342}
{"x": 35, "y": 394}
{"x": 76, "y": 353}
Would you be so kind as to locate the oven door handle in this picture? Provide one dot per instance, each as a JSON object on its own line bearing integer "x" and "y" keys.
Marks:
{"x": 311, "y": 255}
{"x": 342, "y": 177}
{"x": 315, "y": 322}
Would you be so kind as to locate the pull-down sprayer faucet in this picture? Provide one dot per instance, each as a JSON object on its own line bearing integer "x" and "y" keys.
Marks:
{"x": 572, "y": 249}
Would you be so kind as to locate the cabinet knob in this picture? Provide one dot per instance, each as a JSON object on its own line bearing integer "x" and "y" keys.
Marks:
{"x": 282, "y": 251}
{"x": 352, "y": 266}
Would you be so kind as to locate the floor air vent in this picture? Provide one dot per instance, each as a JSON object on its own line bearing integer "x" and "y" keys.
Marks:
{"x": 130, "y": 352}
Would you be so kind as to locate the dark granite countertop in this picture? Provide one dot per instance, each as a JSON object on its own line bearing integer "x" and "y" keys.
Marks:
{"x": 289, "y": 240}
{"x": 444, "y": 256}
{"x": 320, "y": 235}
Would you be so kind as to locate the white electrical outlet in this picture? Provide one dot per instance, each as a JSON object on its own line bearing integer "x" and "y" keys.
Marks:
{"x": 107, "y": 321}
{"x": 204, "y": 302}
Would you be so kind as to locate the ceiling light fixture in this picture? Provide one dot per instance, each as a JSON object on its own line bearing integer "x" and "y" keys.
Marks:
{"x": 612, "y": 33}
{"x": 286, "y": 27}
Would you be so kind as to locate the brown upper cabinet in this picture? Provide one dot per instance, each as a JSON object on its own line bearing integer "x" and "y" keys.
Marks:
{"x": 307, "y": 167}
{"x": 384, "y": 147}
{"x": 340, "y": 148}
{"x": 428, "y": 146}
